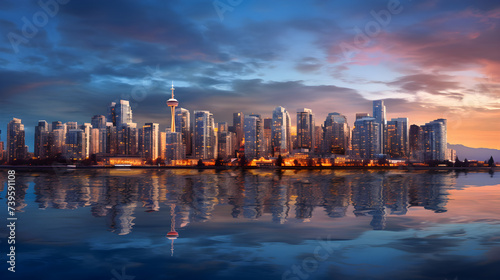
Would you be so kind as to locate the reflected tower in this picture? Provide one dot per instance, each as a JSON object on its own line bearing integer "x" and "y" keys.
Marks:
{"x": 172, "y": 234}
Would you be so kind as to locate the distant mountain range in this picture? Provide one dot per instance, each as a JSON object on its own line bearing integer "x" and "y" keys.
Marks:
{"x": 469, "y": 153}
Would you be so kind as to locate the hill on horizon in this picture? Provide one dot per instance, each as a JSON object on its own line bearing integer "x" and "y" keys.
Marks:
{"x": 464, "y": 152}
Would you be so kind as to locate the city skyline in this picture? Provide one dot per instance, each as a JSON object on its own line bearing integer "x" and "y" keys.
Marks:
{"x": 250, "y": 137}
{"x": 429, "y": 60}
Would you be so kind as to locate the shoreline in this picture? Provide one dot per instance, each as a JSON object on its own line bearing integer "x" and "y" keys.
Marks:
{"x": 402, "y": 168}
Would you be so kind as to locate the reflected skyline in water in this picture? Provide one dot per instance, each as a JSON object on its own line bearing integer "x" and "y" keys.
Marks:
{"x": 286, "y": 196}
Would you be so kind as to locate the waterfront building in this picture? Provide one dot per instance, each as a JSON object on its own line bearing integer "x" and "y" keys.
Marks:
{"x": 305, "y": 130}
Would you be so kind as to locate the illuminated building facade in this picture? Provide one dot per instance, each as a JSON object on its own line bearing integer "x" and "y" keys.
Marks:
{"x": 305, "y": 130}
{"x": 253, "y": 136}
{"x": 365, "y": 138}
{"x": 16, "y": 149}
{"x": 379, "y": 113}
{"x": 435, "y": 140}
{"x": 204, "y": 137}
{"x": 183, "y": 125}
{"x": 397, "y": 138}
{"x": 336, "y": 134}
{"x": 281, "y": 132}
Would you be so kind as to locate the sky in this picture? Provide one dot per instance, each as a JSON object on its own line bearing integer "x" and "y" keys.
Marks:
{"x": 429, "y": 59}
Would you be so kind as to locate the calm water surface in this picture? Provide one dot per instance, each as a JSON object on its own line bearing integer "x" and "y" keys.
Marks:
{"x": 111, "y": 224}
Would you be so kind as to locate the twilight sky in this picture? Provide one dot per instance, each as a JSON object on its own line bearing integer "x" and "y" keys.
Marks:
{"x": 431, "y": 59}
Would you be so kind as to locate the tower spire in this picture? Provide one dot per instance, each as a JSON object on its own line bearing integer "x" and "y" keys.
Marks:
{"x": 172, "y": 89}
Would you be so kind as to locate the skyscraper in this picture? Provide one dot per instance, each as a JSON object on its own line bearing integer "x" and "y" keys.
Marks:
{"x": 253, "y": 136}
{"x": 267, "y": 137}
{"x": 95, "y": 147}
{"x": 416, "y": 143}
{"x": 204, "y": 138}
{"x": 305, "y": 130}
{"x": 435, "y": 140}
{"x": 86, "y": 127}
{"x": 150, "y": 137}
{"x": 42, "y": 131}
{"x": 238, "y": 119}
{"x": 16, "y": 149}
{"x": 162, "y": 145}
{"x": 379, "y": 113}
{"x": 224, "y": 141}
{"x": 128, "y": 137}
{"x": 281, "y": 132}
{"x": 173, "y": 148}
{"x": 365, "y": 137}
{"x": 111, "y": 114}
{"x": 397, "y": 138}
{"x": 119, "y": 113}
{"x": 75, "y": 144}
{"x": 109, "y": 139}
{"x": 336, "y": 134}
{"x": 57, "y": 139}
{"x": 183, "y": 125}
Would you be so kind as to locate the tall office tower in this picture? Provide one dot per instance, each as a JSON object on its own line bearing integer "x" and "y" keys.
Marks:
{"x": 95, "y": 145}
{"x": 336, "y": 134}
{"x": 204, "y": 137}
{"x": 238, "y": 123}
{"x": 225, "y": 143}
{"x": 162, "y": 145}
{"x": 111, "y": 113}
{"x": 305, "y": 130}
{"x": 435, "y": 140}
{"x": 56, "y": 141}
{"x": 416, "y": 143}
{"x": 16, "y": 149}
{"x": 120, "y": 113}
{"x": 109, "y": 139}
{"x": 71, "y": 125}
{"x": 98, "y": 121}
{"x": 379, "y": 113}
{"x": 253, "y": 136}
{"x": 173, "y": 147}
{"x": 41, "y": 140}
{"x": 183, "y": 125}
{"x": 128, "y": 136}
{"x": 86, "y": 127}
{"x": 140, "y": 141}
{"x": 318, "y": 138}
{"x": 75, "y": 144}
{"x": 267, "y": 137}
{"x": 365, "y": 138}
{"x": 150, "y": 136}
{"x": 281, "y": 132}
{"x": 397, "y": 138}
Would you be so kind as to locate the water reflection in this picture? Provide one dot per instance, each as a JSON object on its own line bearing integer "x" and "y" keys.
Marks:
{"x": 287, "y": 197}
